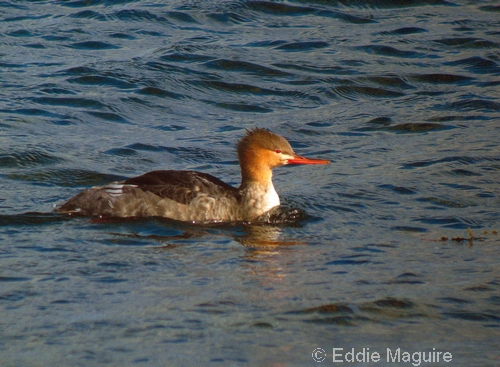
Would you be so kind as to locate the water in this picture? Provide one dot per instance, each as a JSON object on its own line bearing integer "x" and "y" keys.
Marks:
{"x": 402, "y": 96}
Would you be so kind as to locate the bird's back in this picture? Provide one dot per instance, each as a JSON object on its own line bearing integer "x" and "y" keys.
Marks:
{"x": 179, "y": 195}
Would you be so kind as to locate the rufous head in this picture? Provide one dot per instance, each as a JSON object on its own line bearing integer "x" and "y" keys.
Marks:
{"x": 260, "y": 149}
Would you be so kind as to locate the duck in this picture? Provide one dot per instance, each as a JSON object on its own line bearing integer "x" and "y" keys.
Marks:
{"x": 197, "y": 197}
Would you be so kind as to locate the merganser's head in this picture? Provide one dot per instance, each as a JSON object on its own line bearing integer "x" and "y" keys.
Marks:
{"x": 260, "y": 150}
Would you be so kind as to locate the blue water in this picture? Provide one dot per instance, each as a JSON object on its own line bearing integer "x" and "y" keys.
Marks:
{"x": 394, "y": 245}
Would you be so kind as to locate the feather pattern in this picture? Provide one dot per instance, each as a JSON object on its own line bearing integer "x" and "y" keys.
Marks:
{"x": 196, "y": 196}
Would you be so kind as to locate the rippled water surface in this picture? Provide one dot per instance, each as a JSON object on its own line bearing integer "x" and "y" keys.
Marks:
{"x": 394, "y": 244}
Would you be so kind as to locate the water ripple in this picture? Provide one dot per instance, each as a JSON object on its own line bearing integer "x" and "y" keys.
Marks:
{"x": 69, "y": 102}
{"x": 359, "y": 92}
{"x": 245, "y": 67}
{"x": 278, "y": 9}
{"x": 66, "y": 177}
{"x": 158, "y": 92}
{"x": 439, "y": 78}
{"x": 395, "y": 3}
{"x": 404, "y": 31}
{"x": 391, "y": 51}
{"x": 181, "y": 16}
{"x": 402, "y": 96}
{"x": 477, "y": 64}
{"x": 473, "y": 105}
{"x": 109, "y": 116}
{"x": 102, "y": 80}
{"x": 88, "y": 14}
{"x": 31, "y": 219}
{"x": 28, "y": 159}
{"x": 93, "y": 45}
{"x": 467, "y": 42}
{"x": 302, "y": 46}
{"x": 466, "y": 160}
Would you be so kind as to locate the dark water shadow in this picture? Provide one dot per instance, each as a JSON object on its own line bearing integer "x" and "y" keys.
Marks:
{"x": 266, "y": 232}
{"x": 31, "y": 219}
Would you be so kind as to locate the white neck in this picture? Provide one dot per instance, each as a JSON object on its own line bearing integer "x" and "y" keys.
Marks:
{"x": 259, "y": 198}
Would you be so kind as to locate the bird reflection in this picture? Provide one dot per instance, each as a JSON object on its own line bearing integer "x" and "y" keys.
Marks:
{"x": 265, "y": 234}
{"x": 265, "y": 238}
{"x": 266, "y": 251}
{"x": 259, "y": 238}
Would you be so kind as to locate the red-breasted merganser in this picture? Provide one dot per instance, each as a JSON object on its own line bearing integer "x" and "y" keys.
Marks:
{"x": 195, "y": 196}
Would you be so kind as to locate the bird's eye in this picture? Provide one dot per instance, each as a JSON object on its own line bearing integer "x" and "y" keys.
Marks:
{"x": 278, "y": 151}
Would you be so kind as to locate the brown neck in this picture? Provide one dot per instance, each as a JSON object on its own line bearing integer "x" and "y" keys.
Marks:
{"x": 254, "y": 169}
